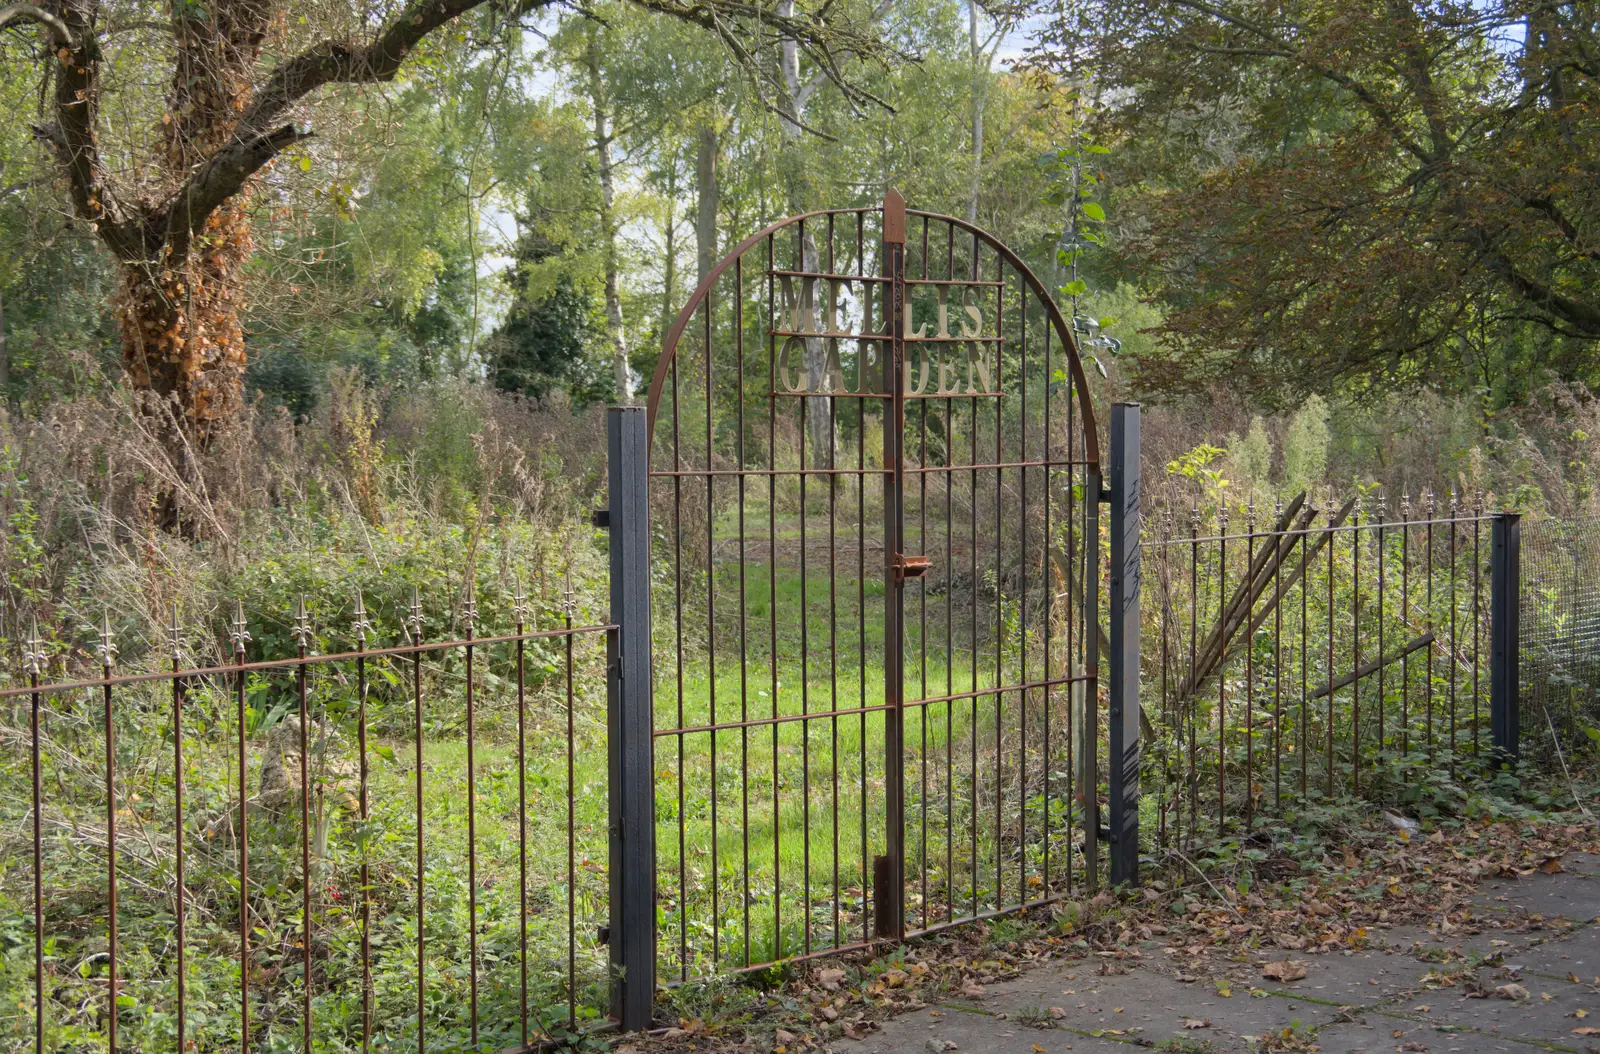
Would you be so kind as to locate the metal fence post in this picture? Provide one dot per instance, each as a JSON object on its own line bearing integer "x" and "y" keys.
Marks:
{"x": 1124, "y": 660}
{"x": 631, "y": 785}
{"x": 1505, "y": 579}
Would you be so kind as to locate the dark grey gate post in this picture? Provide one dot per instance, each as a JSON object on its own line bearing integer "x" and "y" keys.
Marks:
{"x": 632, "y": 935}
{"x": 1124, "y": 618}
{"x": 1505, "y": 616}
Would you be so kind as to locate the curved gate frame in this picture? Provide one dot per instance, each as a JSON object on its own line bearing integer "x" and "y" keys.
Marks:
{"x": 890, "y": 875}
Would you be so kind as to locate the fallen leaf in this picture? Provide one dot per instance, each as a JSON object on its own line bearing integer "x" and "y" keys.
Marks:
{"x": 1184, "y": 978}
{"x": 1511, "y": 991}
{"x": 1423, "y": 1009}
{"x": 830, "y": 979}
{"x": 1057, "y": 1012}
{"x": 1196, "y": 1022}
{"x": 1580, "y": 1014}
{"x": 783, "y": 1036}
{"x": 1038, "y": 1049}
{"x": 1546, "y": 996}
{"x": 1551, "y": 865}
{"x": 1290, "y": 942}
{"x": 1285, "y": 971}
{"x": 1586, "y": 1030}
{"x": 972, "y": 988}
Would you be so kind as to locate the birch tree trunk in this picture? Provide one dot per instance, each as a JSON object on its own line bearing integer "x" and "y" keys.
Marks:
{"x": 616, "y": 331}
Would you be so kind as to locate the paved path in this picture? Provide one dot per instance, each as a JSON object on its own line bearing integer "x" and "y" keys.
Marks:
{"x": 1540, "y": 932}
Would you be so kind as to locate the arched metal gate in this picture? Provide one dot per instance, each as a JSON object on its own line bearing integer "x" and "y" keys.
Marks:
{"x": 873, "y": 475}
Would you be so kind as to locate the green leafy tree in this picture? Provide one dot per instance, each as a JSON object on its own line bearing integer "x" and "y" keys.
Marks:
{"x": 1364, "y": 194}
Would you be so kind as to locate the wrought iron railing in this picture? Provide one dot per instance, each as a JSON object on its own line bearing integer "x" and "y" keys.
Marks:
{"x": 1310, "y": 652}
{"x": 390, "y": 847}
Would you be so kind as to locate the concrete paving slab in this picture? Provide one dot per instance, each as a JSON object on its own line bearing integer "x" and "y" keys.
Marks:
{"x": 1582, "y": 863}
{"x": 1577, "y": 953}
{"x": 1380, "y": 1035}
{"x": 1364, "y": 978}
{"x": 1369, "y": 1001}
{"x": 1568, "y": 894}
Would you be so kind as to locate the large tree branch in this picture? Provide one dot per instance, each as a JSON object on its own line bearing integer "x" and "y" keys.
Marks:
{"x": 20, "y": 14}
{"x": 261, "y": 135}
{"x": 1581, "y": 316}
{"x": 77, "y": 102}
{"x": 1364, "y": 94}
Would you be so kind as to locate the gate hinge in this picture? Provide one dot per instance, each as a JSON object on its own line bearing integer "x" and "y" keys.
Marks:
{"x": 601, "y": 518}
{"x": 911, "y": 566}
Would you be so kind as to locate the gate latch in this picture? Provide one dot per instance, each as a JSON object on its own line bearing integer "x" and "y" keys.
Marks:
{"x": 911, "y": 566}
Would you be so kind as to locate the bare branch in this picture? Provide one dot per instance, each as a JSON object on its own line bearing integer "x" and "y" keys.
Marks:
{"x": 18, "y": 14}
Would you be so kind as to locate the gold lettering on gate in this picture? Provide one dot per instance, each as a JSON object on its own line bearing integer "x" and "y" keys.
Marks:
{"x": 801, "y": 319}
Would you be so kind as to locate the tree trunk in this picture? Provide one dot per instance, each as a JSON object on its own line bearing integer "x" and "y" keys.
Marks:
{"x": 980, "y": 96}
{"x": 616, "y": 332}
{"x": 819, "y": 408}
{"x": 181, "y": 340}
{"x": 707, "y": 191}
{"x": 5, "y": 354}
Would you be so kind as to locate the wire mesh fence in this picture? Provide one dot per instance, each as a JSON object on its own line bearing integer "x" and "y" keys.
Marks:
{"x": 1311, "y": 653}
{"x": 1560, "y": 633}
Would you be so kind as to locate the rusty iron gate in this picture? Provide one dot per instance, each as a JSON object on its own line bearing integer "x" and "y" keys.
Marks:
{"x": 873, "y": 473}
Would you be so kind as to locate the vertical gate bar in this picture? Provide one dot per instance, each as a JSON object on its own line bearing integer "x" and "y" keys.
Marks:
{"x": 34, "y": 660}
{"x": 861, "y": 561}
{"x": 772, "y": 592}
{"x": 629, "y": 725}
{"x": 999, "y": 698}
{"x": 1124, "y": 660}
{"x": 414, "y": 632}
{"x": 1477, "y": 624}
{"x": 1249, "y": 666}
{"x": 302, "y": 634}
{"x": 1194, "y": 688}
{"x": 1222, "y": 666}
{"x": 107, "y": 656}
{"x": 1073, "y": 619}
{"x": 1428, "y": 508}
{"x": 1405, "y": 619}
{"x": 833, "y": 607}
{"x": 1332, "y": 544}
{"x": 891, "y": 918}
{"x": 711, "y": 623}
{"x": 1355, "y": 648}
{"x": 1022, "y": 596}
{"x": 238, "y": 635}
{"x": 364, "y": 806}
{"x": 972, "y": 648}
{"x": 1454, "y": 651}
{"x": 1049, "y": 606}
{"x": 569, "y": 600}
{"x": 1304, "y": 731}
{"x": 469, "y": 613}
{"x": 1383, "y": 512}
{"x": 677, "y": 617}
{"x": 744, "y": 649}
{"x": 1277, "y": 661}
{"x": 1168, "y": 829}
{"x": 520, "y": 610}
{"x": 181, "y": 909}
{"x": 805, "y": 670}
{"x": 1505, "y": 577}
{"x": 1091, "y": 667}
